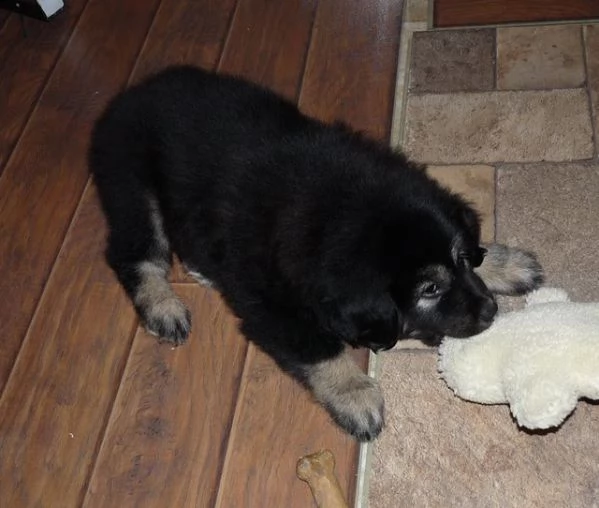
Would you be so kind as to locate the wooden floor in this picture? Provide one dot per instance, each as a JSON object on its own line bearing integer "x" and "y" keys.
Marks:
{"x": 453, "y": 13}
{"x": 92, "y": 411}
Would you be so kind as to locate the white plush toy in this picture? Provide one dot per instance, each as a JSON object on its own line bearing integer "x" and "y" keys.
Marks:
{"x": 540, "y": 360}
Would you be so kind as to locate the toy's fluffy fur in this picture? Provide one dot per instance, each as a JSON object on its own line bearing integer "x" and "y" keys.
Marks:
{"x": 540, "y": 360}
{"x": 317, "y": 237}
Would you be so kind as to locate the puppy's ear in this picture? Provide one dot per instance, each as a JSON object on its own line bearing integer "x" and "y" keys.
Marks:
{"x": 467, "y": 216}
{"x": 372, "y": 322}
{"x": 471, "y": 221}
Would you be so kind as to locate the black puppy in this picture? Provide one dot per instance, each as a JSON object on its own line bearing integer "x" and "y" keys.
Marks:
{"x": 317, "y": 238}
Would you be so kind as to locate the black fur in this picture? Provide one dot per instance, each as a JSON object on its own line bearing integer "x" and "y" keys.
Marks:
{"x": 317, "y": 237}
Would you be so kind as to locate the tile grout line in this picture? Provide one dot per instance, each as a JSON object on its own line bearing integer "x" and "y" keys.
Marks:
{"x": 592, "y": 112}
{"x": 496, "y": 58}
{"x": 498, "y": 91}
{"x": 523, "y": 24}
{"x": 495, "y": 207}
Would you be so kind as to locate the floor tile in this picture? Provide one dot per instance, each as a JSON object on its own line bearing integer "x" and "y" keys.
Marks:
{"x": 540, "y": 57}
{"x": 477, "y": 185}
{"x": 499, "y": 126}
{"x": 553, "y": 209}
{"x": 447, "y": 61}
{"x": 439, "y": 451}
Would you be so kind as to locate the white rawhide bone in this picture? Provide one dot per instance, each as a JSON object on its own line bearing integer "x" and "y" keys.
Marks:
{"x": 318, "y": 471}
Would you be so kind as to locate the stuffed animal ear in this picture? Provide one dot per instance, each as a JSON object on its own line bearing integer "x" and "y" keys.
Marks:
{"x": 374, "y": 323}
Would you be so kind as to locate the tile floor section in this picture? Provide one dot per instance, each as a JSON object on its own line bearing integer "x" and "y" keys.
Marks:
{"x": 507, "y": 117}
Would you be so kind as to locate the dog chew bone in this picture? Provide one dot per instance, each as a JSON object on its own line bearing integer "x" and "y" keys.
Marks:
{"x": 318, "y": 471}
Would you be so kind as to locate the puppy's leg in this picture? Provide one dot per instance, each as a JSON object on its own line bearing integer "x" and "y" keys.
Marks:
{"x": 139, "y": 253}
{"x": 320, "y": 362}
{"x": 510, "y": 271}
{"x": 353, "y": 399}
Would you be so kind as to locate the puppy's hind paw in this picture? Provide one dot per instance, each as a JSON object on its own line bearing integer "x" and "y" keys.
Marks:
{"x": 169, "y": 320}
{"x": 510, "y": 271}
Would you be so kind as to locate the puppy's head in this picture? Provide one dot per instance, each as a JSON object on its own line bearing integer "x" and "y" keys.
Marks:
{"x": 435, "y": 287}
{"x": 414, "y": 278}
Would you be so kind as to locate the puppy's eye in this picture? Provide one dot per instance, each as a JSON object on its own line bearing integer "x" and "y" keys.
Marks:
{"x": 431, "y": 290}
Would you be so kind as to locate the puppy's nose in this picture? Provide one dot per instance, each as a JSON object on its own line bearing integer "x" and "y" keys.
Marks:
{"x": 488, "y": 310}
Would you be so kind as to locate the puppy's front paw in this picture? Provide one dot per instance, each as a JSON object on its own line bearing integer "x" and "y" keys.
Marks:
{"x": 358, "y": 408}
{"x": 510, "y": 271}
{"x": 168, "y": 319}
{"x": 353, "y": 399}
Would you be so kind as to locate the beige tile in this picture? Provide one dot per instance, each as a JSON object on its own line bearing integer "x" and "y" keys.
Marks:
{"x": 416, "y": 11}
{"x": 439, "y": 451}
{"x": 477, "y": 185}
{"x": 499, "y": 126}
{"x": 540, "y": 57}
{"x": 553, "y": 209}
{"x": 592, "y": 53}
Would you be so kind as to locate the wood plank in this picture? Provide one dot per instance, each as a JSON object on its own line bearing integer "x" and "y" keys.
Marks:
{"x": 25, "y": 64}
{"x": 4, "y": 15}
{"x": 186, "y": 32}
{"x": 44, "y": 179}
{"x": 54, "y": 407}
{"x": 167, "y": 435}
{"x": 350, "y": 74}
{"x": 452, "y": 13}
{"x": 276, "y": 422}
{"x": 268, "y": 43}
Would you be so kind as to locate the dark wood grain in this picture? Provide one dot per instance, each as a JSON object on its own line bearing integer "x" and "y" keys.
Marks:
{"x": 167, "y": 435}
{"x": 4, "y": 15}
{"x": 268, "y": 43}
{"x": 54, "y": 407}
{"x": 186, "y": 32}
{"x": 452, "y": 13}
{"x": 25, "y": 64}
{"x": 350, "y": 74}
{"x": 43, "y": 181}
